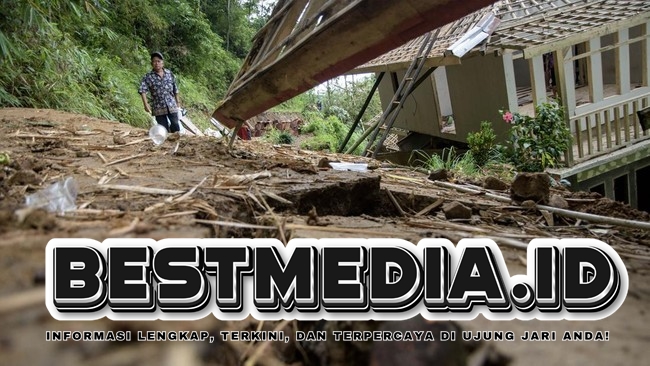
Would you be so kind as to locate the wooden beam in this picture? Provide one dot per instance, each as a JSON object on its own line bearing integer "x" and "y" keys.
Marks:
{"x": 610, "y": 47}
{"x": 595, "y": 71}
{"x": 587, "y": 35}
{"x": 511, "y": 83}
{"x": 566, "y": 80}
{"x": 358, "y": 33}
{"x": 623, "y": 62}
{"x": 538, "y": 79}
{"x": 399, "y": 66}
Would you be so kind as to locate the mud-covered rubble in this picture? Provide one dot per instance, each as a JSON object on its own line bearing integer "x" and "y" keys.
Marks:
{"x": 196, "y": 187}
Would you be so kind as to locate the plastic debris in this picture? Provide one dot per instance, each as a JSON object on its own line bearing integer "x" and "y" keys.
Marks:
{"x": 158, "y": 134}
{"x": 59, "y": 197}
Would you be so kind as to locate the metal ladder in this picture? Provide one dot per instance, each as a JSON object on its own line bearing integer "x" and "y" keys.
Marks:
{"x": 406, "y": 86}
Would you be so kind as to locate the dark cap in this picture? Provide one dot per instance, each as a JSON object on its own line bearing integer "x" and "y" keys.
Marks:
{"x": 157, "y": 54}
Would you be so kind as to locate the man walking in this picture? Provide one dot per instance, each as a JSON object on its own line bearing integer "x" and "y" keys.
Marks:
{"x": 161, "y": 84}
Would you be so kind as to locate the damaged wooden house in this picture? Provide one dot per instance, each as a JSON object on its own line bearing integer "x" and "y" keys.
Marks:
{"x": 597, "y": 54}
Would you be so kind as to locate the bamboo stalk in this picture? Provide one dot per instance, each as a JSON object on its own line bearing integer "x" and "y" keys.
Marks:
{"x": 395, "y": 203}
{"x": 235, "y": 224}
{"x": 125, "y": 159}
{"x": 102, "y": 157}
{"x": 139, "y": 189}
{"x": 49, "y": 137}
{"x": 191, "y": 191}
{"x": 432, "y": 206}
{"x": 125, "y": 230}
{"x": 567, "y": 213}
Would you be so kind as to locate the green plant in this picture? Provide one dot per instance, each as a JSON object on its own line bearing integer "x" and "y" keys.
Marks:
{"x": 537, "y": 143}
{"x": 482, "y": 143}
{"x": 276, "y": 136}
{"x": 463, "y": 164}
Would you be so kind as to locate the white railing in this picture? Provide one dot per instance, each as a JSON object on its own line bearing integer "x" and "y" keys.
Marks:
{"x": 608, "y": 128}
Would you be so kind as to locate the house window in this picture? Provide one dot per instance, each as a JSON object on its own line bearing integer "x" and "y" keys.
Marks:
{"x": 621, "y": 191}
{"x": 600, "y": 189}
{"x": 643, "y": 194}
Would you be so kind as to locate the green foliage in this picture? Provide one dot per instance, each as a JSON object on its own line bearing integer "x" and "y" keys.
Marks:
{"x": 276, "y": 136}
{"x": 482, "y": 143}
{"x": 89, "y": 56}
{"x": 538, "y": 143}
{"x": 450, "y": 160}
{"x": 328, "y": 132}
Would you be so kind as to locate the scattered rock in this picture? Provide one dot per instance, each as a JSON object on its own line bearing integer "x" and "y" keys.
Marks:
{"x": 24, "y": 177}
{"x": 495, "y": 184}
{"x": 456, "y": 210}
{"x": 530, "y": 186}
{"x": 82, "y": 153}
{"x": 119, "y": 140}
{"x": 440, "y": 174}
{"x": 324, "y": 163}
{"x": 558, "y": 201}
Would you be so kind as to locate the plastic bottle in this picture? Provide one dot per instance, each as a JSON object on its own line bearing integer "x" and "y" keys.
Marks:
{"x": 158, "y": 134}
{"x": 58, "y": 197}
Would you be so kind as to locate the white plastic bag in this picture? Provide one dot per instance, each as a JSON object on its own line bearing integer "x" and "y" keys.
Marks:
{"x": 181, "y": 113}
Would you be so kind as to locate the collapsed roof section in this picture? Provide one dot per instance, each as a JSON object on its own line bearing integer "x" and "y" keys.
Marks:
{"x": 307, "y": 42}
{"x": 532, "y": 26}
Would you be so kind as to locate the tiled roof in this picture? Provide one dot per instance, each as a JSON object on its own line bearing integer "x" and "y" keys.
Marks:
{"x": 524, "y": 23}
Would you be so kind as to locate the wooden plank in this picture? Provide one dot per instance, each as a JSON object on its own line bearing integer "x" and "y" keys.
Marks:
{"x": 189, "y": 125}
{"x": 626, "y": 121}
{"x": 578, "y": 137}
{"x": 645, "y": 55}
{"x": 608, "y": 129}
{"x": 644, "y": 103}
{"x": 617, "y": 125}
{"x": 589, "y": 137}
{"x": 599, "y": 132}
{"x": 635, "y": 118}
{"x": 358, "y": 33}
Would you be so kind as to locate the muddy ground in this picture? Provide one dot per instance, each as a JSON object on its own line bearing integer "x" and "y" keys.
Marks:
{"x": 196, "y": 187}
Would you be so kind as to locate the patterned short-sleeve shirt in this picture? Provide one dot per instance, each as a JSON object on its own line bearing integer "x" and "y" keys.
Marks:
{"x": 162, "y": 90}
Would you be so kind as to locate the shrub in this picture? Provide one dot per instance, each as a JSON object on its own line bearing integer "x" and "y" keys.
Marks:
{"x": 538, "y": 143}
{"x": 276, "y": 136}
{"x": 482, "y": 143}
